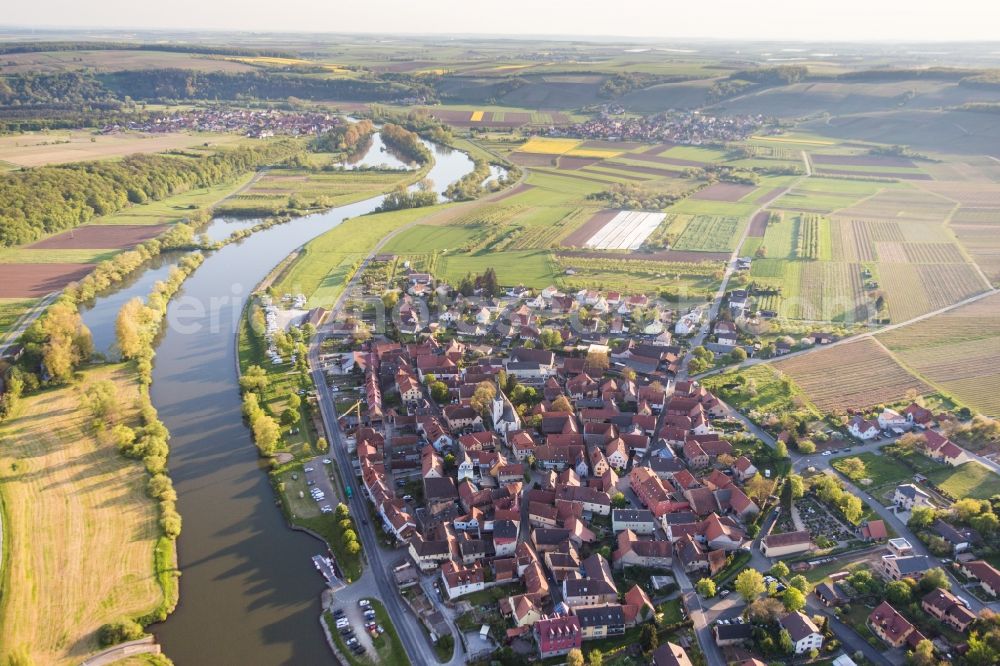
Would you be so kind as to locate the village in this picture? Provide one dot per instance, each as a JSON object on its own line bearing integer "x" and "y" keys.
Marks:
{"x": 254, "y": 123}
{"x": 681, "y": 127}
{"x": 566, "y": 486}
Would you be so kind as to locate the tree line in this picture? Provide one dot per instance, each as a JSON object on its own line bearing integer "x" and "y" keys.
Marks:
{"x": 50, "y": 199}
{"x": 406, "y": 143}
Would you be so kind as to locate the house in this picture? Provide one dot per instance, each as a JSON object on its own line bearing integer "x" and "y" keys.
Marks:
{"x": 874, "y": 530}
{"x": 918, "y": 416}
{"x": 557, "y": 635}
{"x": 505, "y": 537}
{"x": 670, "y": 654}
{"x": 805, "y": 634}
{"x": 588, "y": 592}
{"x": 789, "y": 543}
{"x": 862, "y": 428}
{"x": 900, "y": 547}
{"x": 601, "y": 621}
{"x": 650, "y": 490}
{"x": 732, "y": 633}
{"x": 459, "y": 580}
{"x": 637, "y": 606}
{"x": 633, "y": 552}
{"x": 459, "y": 417}
{"x": 985, "y": 573}
{"x": 598, "y": 463}
{"x": 947, "y": 608}
{"x": 829, "y": 595}
{"x": 429, "y": 554}
{"x": 743, "y": 469}
{"x": 640, "y": 521}
{"x": 720, "y": 533}
{"x": 521, "y": 444}
{"x": 940, "y": 448}
{"x": 908, "y": 497}
{"x": 616, "y": 453}
{"x": 522, "y": 609}
{"x": 688, "y": 324}
{"x": 959, "y": 539}
{"x": 886, "y": 623}
{"x": 908, "y": 566}
{"x": 890, "y": 418}
{"x": 695, "y": 455}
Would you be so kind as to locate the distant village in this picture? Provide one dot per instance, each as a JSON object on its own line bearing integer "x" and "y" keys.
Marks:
{"x": 684, "y": 127}
{"x": 254, "y": 123}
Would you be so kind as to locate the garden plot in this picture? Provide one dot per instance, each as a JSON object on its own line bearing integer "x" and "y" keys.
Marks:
{"x": 626, "y": 231}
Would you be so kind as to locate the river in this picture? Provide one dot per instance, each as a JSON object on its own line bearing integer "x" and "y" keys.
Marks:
{"x": 249, "y": 592}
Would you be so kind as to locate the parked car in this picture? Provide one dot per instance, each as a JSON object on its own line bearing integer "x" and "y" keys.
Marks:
{"x": 309, "y": 469}
{"x": 364, "y": 602}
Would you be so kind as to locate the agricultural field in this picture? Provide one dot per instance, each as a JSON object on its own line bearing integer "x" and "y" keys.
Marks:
{"x": 855, "y": 375}
{"x": 61, "y": 147}
{"x": 958, "y": 352}
{"x": 689, "y": 281}
{"x": 177, "y": 207}
{"x": 915, "y": 289}
{"x": 825, "y": 195}
{"x": 710, "y": 233}
{"x": 12, "y": 309}
{"x": 25, "y": 280}
{"x": 79, "y": 529}
{"x": 626, "y": 230}
{"x": 112, "y": 60}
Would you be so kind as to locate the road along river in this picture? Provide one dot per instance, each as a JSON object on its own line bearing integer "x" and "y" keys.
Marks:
{"x": 249, "y": 593}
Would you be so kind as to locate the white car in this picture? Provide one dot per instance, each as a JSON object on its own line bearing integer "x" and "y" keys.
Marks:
{"x": 309, "y": 469}
{"x": 327, "y": 461}
{"x": 364, "y": 602}
{"x": 827, "y": 453}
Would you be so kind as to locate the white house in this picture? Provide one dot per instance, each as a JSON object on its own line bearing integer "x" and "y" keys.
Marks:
{"x": 890, "y": 418}
{"x": 805, "y": 634}
{"x": 688, "y": 324}
{"x": 862, "y": 428}
{"x": 549, "y": 292}
{"x": 909, "y": 497}
{"x": 466, "y": 468}
{"x": 449, "y": 317}
{"x": 483, "y": 316}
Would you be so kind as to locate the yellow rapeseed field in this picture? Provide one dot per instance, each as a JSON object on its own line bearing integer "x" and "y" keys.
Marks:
{"x": 549, "y": 146}
{"x": 594, "y": 152}
{"x": 477, "y": 116}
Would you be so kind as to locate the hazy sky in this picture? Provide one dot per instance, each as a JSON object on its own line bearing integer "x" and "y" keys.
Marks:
{"x": 725, "y": 19}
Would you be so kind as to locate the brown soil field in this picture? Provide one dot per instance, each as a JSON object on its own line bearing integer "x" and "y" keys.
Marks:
{"x": 768, "y": 197}
{"x": 517, "y": 189}
{"x": 573, "y": 163}
{"x": 530, "y": 159}
{"x": 975, "y": 216}
{"x": 864, "y": 374}
{"x": 31, "y": 280}
{"x": 584, "y": 232}
{"x": 723, "y": 192}
{"x": 898, "y": 175}
{"x": 863, "y": 160}
{"x": 113, "y": 61}
{"x": 662, "y": 255}
{"x": 653, "y": 171}
{"x": 658, "y": 148}
{"x": 758, "y": 225}
{"x": 31, "y": 150}
{"x": 404, "y": 66}
{"x": 100, "y": 236}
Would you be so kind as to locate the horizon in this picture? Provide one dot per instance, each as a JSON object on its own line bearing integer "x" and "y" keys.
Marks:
{"x": 892, "y": 21}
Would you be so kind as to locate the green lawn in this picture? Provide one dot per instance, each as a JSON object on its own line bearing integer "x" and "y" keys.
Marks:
{"x": 764, "y": 391}
{"x": 968, "y": 480}
{"x": 882, "y": 470}
{"x": 532, "y": 268}
{"x": 428, "y": 238}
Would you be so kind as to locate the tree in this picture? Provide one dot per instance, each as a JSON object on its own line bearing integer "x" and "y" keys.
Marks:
{"x": 921, "y": 518}
{"x": 966, "y": 509}
{"x": 595, "y": 658}
{"x": 986, "y": 524}
{"x": 786, "y": 497}
{"x": 759, "y": 487}
{"x": 265, "y": 434}
{"x": 934, "y": 579}
{"x": 550, "y": 338}
{"x": 799, "y": 582}
{"x": 649, "y": 639}
{"x": 738, "y": 355}
{"x": 705, "y": 587}
{"x": 923, "y": 654}
{"x": 780, "y": 449}
{"x": 482, "y": 398}
{"x": 852, "y": 508}
{"x": 853, "y": 468}
{"x": 806, "y": 447}
{"x": 562, "y": 404}
{"x": 439, "y": 391}
{"x": 254, "y": 379}
{"x": 119, "y": 632}
{"x": 290, "y": 417}
{"x": 619, "y": 501}
{"x": 574, "y": 657}
{"x": 785, "y": 640}
{"x": 798, "y": 485}
{"x": 793, "y": 599}
{"x": 766, "y": 610}
{"x": 597, "y": 363}
{"x": 780, "y": 569}
{"x": 980, "y": 652}
{"x": 353, "y": 547}
{"x": 749, "y": 584}
{"x": 898, "y": 593}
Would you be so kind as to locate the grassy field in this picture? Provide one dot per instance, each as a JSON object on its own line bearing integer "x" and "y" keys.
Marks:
{"x": 857, "y": 375}
{"x": 968, "y": 480}
{"x": 532, "y": 268}
{"x": 17, "y": 255}
{"x": 63, "y": 146}
{"x": 79, "y": 528}
{"x": 177, "y": 207}
{"x": 881, "y": 472}
{"x": 12, "y": 309}
{"x": 710, "y": 233}
{"x": 769, "y": 395}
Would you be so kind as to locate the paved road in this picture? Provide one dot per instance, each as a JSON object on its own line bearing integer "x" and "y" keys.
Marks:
{"x": 697, "y": 614}
{"x": 145, "y": 645}
{"x": 26, "y": 320}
